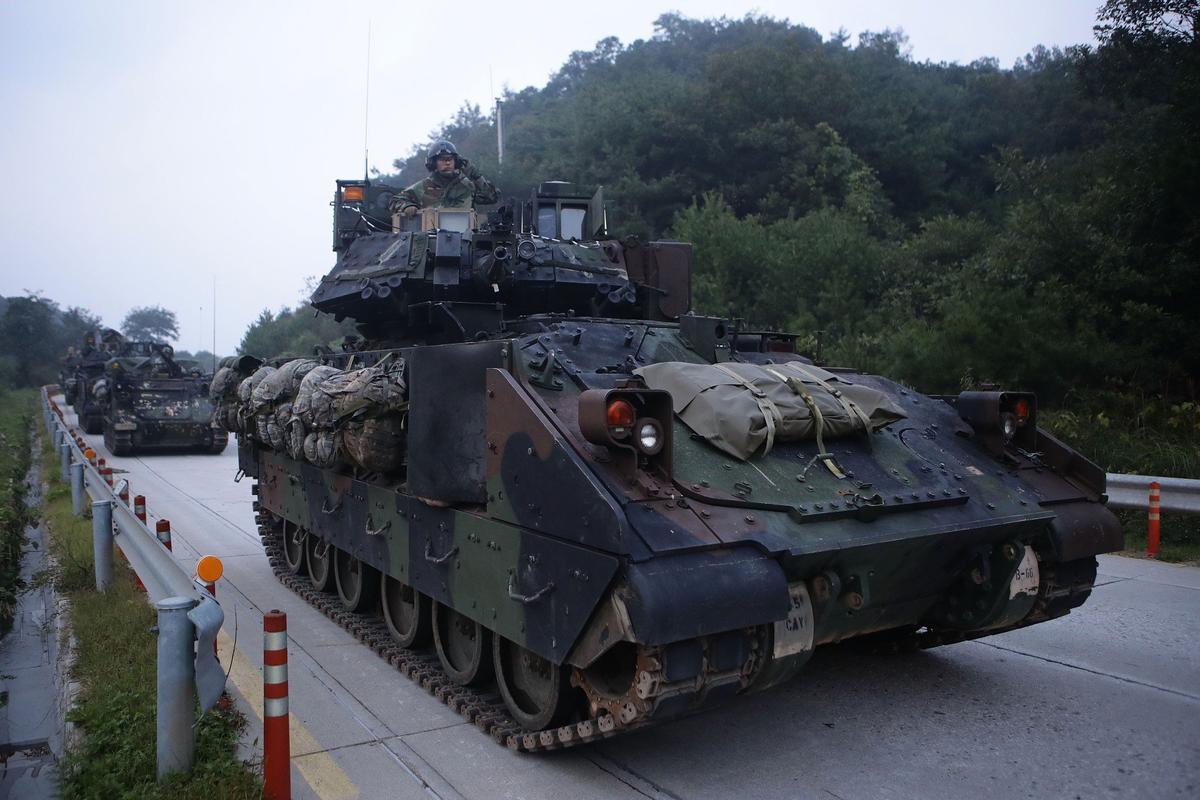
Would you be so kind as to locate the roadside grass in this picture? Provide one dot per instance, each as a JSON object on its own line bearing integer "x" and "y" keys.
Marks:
{"x": 16, "y": 411}
{"x": 1127, "y": 432}
{"x": 115, "y": 665}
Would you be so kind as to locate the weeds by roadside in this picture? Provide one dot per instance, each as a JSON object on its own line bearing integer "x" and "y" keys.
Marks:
{"x": 1127, "y": 432}
{"x": 115, "y": 665}
{"x": 16, "y": 409}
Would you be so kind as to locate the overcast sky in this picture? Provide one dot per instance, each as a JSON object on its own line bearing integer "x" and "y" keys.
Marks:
{"x": 150, "y": 148}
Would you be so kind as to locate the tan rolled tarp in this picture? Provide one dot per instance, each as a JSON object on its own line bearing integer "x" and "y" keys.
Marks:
{"x": 742, "y": 408}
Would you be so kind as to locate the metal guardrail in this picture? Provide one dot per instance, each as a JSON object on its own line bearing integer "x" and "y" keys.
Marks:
{"x": 186, "y": 613}
{"x": 1180, "y": 495}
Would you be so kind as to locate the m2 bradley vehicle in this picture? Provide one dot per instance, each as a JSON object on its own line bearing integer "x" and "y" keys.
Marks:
{"x": 87, "y": 368}
{"x": 149, "y": 401}
{"x": 599, "y": 510}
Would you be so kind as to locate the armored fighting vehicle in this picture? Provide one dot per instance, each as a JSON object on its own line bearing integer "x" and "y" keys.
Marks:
{"x": 88, "y": 366}
{"x": 150, "y": 401}
{"x": 567, "y": 506}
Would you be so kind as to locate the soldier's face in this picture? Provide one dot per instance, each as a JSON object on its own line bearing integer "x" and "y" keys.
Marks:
{"x": 445, "y": 164}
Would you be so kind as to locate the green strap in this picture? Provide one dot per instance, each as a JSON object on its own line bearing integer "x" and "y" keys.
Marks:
{"x": 797, "y": 386}
{"x": 770, "y": 411}
{"x": 852, "y": 409}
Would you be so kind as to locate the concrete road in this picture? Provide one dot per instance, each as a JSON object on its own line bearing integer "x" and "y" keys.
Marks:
{"x": 1102, "y": 703}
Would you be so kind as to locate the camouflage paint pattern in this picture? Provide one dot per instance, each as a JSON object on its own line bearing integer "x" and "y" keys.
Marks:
{"x": 700, "y": 574}
{"x": 919, "y": 504}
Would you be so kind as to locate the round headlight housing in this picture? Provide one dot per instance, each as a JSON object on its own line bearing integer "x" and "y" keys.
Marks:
{"x": 1008, "y": 426}
{"x": 649, "y": 437}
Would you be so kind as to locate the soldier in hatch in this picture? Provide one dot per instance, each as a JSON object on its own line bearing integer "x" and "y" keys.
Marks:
{"x": 453, "y": 182}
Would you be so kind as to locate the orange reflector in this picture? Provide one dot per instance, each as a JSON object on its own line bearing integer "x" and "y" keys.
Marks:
{"x": 89, "y": 454}
{"x": 210, "y": 569}
{"x": 621, "y": 414}
{"x": 1022, "y": 409}
{"x": 352, "y": 193}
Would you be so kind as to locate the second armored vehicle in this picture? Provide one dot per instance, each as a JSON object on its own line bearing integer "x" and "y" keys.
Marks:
{"x": 149, "y": 402}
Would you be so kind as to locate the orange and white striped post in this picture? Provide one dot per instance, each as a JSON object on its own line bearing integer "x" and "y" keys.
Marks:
{"x": 139, "y": 507}
{"x": 277, "y": 749}
{"x": 162, "y": 530}
{"x": 1152, "y": 525}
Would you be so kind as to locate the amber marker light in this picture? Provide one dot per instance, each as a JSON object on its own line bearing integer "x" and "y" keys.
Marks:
{"x": 210, "y": 569}
{"x": 1022, "y": 410}
{"x": 353, "y": 193}
{"x": 621, "y": 417}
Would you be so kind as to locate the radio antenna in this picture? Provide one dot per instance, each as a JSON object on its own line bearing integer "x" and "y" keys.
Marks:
{"x": 214, "y": 277}
{"x": 367, "y": 108}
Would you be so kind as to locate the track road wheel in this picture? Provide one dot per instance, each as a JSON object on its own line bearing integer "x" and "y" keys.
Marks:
{"x": 294, "y": 540}
{"x": 357, "y": 583}
{"x": 537, "y": 692}
{"x": 320, "y": 563}
{"x": 406, "y": 612}
{"x": 463, "y": 646}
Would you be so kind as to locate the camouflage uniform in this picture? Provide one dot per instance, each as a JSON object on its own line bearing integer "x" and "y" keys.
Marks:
{"x": 458, "y": 190}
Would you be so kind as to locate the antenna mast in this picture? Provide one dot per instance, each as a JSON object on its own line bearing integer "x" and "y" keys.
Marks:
{"x": 499, "y": 133}
{"x": 367, "y": 107}
{"x": 499, "y": 122}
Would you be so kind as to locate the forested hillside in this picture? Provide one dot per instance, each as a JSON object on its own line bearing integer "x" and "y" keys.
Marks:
{"x": 945, "y": 224}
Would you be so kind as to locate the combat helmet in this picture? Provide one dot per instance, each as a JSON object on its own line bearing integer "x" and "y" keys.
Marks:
{"x": 442, "y": 147}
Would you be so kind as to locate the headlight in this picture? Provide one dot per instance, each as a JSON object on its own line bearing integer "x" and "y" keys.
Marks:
{"x": 649, "y": 436}
{"x": 1008, "y": 426}
{"x": 1001, "y": 418}
{"x": 633, "y": 422}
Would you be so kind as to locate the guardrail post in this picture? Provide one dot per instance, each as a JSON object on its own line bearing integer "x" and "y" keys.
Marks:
{"x": 277, "y": 748}
{"x": 102, "y": 543}
{"x": 1152, "y": 524}
{"x": 176, "y": 681}
{"x": 77, "y": 490}
{"x": 57, "y": 437}
{"x": 64, "y": 456}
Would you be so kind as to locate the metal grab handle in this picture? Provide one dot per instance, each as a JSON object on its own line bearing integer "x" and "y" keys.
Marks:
{"x": 440, "y": 559}
{"x": 376, "y": 531}
{"x": 327, "y": 509}
{"x": 527, "y": 598}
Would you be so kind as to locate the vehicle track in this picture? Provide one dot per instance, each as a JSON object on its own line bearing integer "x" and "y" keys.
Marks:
{"x": 484, "y": 709}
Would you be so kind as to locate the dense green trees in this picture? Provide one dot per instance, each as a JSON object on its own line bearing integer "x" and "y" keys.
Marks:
{"x": 150, "y": 323}
{"x": 34, "y": 335}
{"x": 292, "y": 332}
{"x": 945, "y": 224}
